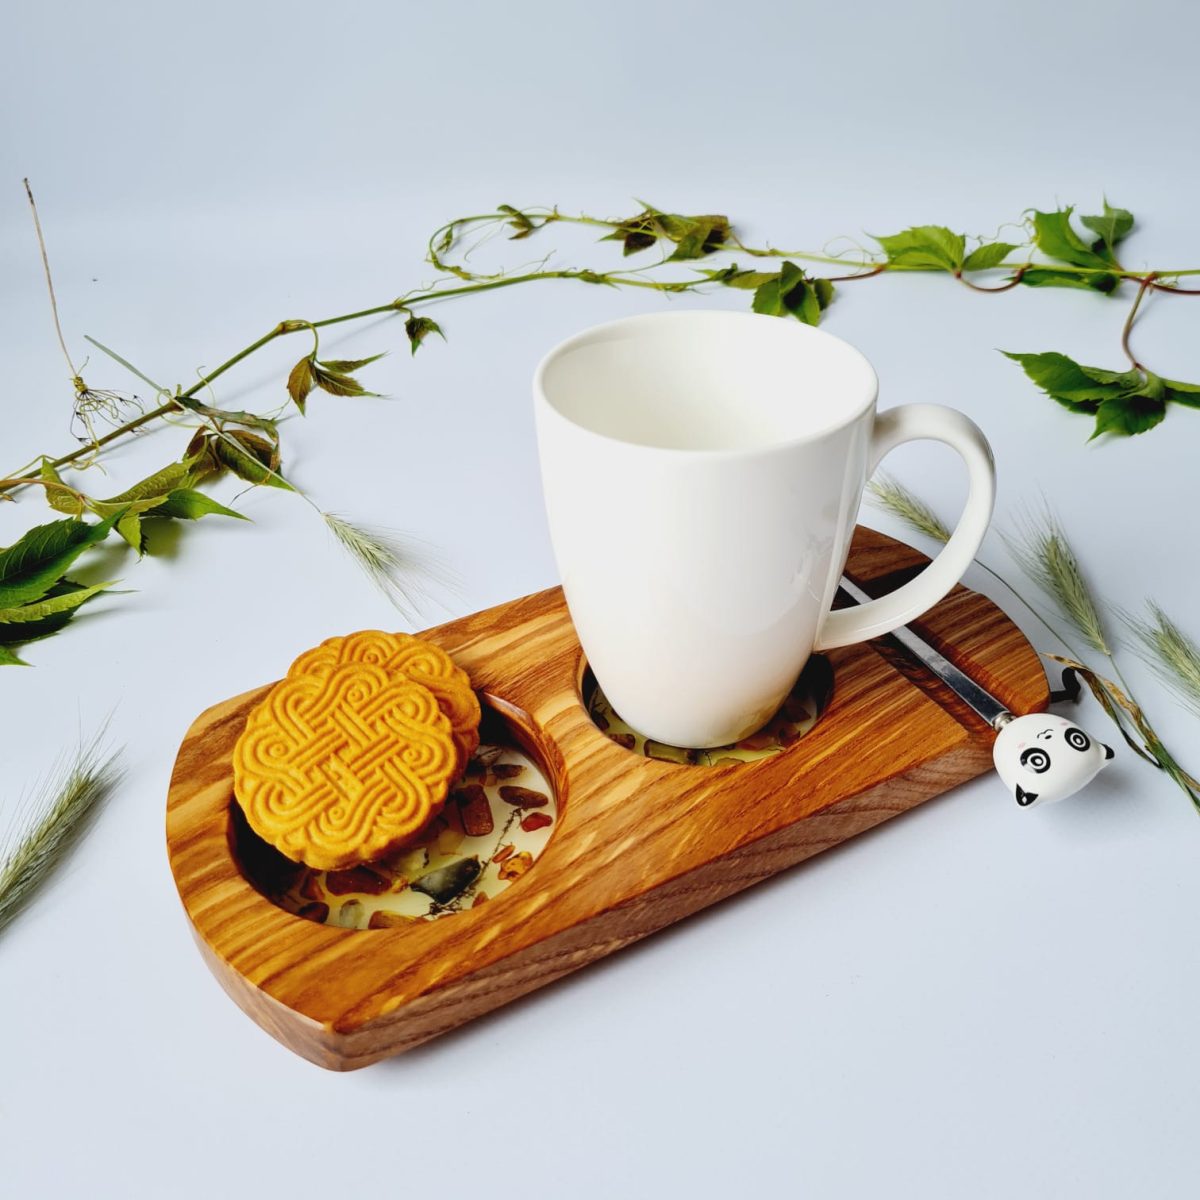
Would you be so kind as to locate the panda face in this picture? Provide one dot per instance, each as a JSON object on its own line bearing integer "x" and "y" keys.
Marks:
{"x": 1043, "y": 758}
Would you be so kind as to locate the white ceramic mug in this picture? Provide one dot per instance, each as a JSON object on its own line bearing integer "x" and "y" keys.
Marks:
{"x": 703, "y": 473}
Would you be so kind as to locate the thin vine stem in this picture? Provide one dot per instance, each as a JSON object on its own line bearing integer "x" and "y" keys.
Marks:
{"x": 733, "y": 242}
{"x": 41, "y": 240}
{"x": 1147, "y": 282}
{"x": 452, "y": 233}
{"x": 174, "y": 404}
{"x": 1018, "y": 275}
{"x": 1174, "y": 291}
{"x": 877, "y": 270}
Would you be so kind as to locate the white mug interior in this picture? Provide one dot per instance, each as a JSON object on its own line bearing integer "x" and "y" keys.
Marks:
{"x": 707, "y": 381}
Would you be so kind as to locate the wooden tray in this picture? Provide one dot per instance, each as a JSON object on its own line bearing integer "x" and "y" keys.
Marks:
{"x": 639, "y": 843}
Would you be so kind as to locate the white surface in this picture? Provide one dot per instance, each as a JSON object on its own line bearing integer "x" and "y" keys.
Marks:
{"x": 700, "y": 552}
{"x": 970, "y": 1001}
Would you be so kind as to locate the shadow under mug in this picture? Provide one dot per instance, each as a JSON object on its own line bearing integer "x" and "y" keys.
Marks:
{"x": 703, "y": 472}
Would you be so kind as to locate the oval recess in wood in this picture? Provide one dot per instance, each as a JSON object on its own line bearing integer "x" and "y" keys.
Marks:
{"x": 493, "y": 828}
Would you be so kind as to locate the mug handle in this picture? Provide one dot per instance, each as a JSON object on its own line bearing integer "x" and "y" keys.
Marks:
{"x": 893, "y": 427}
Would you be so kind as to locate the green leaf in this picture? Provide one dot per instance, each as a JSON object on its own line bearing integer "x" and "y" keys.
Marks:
{"x": 637, "y": 233}
{"x": 330, "y": 375}
{"x": 986, "y": 257}
{"x": 129, "y": 526}
{"x": 1127, "y": 381}
{"x": 1111, "y": 227}
{"x": 1072, "y": 385}
{"x": 637, "y": 240}
{"x": 419, "y": 328}
{"x": 104, "y": 508}
{"x": 799, "y": 298}
{"x": 43, "y": 627}
{"x": 187, "y": 504}
{"x": 336, "y": 383}
{"x": 53, "y": 606}
{"x": 34, "y": 631}
{"x": 300, "y": 381}
{"x": 1054, "y": 235}
{"x": 1183, "y": 393}
{"x": 226, "y": 416}
{"x": 1124, "y": 402}
{"x": 733, "y": 276}
{"x": 32, "y": 565}
{"x": 343, "y": 365}
{"x": 521, "y": 222}
{"x": 791, "y": 293}
{"x": 1128, "y": 415}
{"x": 150, "y": 493}
{"x": 1154, "y": 387}
{"x": 767, "y": 299}
{"x": 154, "y": 487}
{"x": 1096, "y": 281}
{"x": 249, "y": 457}
{"x": 696, "y": 237}
{"x": 824, "y": 290}
{"x": 9, "y": 659}
{"x": 57, "y": 495}
{"x": 693, "y": 236}
{"x": 926, "y": 246}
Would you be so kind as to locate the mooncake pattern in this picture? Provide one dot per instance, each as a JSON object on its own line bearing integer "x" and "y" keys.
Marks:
{"x": 342, "y": 767}
{"x": 418, "y": 660}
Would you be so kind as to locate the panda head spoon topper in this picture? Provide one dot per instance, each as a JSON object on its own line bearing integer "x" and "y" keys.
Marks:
{"x": 1042, "y": 758}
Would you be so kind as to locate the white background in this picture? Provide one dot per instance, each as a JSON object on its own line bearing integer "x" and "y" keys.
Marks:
{"x": 970, "y": 1001}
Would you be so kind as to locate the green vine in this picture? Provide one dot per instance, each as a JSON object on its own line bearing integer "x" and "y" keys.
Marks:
{"x": 675, "y": 254}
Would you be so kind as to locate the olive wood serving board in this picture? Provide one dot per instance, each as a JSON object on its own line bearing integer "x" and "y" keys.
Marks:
{"x": 639, "y": 843}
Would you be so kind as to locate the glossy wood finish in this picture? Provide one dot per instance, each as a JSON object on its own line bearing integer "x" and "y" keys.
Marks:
{"x": 640, "y": 843}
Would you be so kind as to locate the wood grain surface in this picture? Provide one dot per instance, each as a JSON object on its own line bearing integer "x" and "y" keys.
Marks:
{"x": 640, "y": 844}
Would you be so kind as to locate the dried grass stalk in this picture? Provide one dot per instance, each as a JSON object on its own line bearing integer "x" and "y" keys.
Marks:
{"x": 892, "y": 496}
{"x": 405, "y": 570}
{"x": 1044, "y": 554}
{"x": 1174, "y": 657}
{"x": 62, "y": 809}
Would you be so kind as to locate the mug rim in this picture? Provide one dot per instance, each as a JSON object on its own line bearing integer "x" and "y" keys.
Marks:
{"x": 798, "y": 328}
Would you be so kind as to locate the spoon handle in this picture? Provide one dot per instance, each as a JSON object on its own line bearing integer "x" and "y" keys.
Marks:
{"x": 963, "y": 686}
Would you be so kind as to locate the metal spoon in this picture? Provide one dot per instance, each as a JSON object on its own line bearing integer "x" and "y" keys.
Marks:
{"x": 1040, "y": 757}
